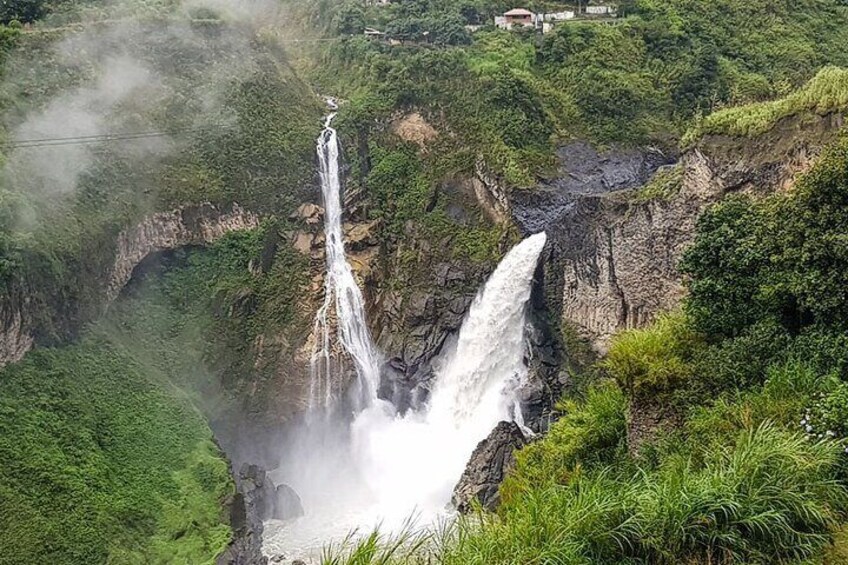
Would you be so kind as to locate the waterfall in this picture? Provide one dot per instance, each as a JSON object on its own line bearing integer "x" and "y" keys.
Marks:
{"x": 381, "y": 468}
{"x": 340, "y": 293}
{"x": 488, "y": 364}
{"x": 415, "y": 461}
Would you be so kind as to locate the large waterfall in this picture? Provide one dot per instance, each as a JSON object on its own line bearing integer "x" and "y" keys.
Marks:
{"x": 415, "y": 461}
{"x": 342, "y": 293}
{"x": 381, "y": 468}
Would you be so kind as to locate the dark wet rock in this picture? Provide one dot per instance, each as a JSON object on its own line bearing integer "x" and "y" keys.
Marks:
{"x": 487, "y": 468}
{"x": 258, "y": 490}
{"x": 246, "y": 508}
{"x": 547, "y": 361}
{"x": 288, "y": 505}
{"x": 277, "y": 502}
{"x": 583, "y": 171}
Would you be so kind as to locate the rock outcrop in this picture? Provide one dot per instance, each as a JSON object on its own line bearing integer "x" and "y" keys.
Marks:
{"x": 25, "y": 323}
{"x": 487, "y": 468}
{"x": 256, "y": 500}
{"x": 615, "y": 252}
{"x": 16, "y": 336}
{"x": 190, "y": 225}
{"x": 247, "y": 507}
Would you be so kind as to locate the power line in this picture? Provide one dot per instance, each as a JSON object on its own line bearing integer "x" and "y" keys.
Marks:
{"x": 100, "y": 138}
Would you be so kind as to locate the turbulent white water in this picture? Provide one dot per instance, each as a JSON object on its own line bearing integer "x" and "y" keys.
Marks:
{"x": 383, "y": 468}
{"x": 342, "y": 293}
{"x": 415, "y": 461}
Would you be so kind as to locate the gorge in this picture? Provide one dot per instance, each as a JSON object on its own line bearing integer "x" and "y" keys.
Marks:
{"x": 507, "y": 297}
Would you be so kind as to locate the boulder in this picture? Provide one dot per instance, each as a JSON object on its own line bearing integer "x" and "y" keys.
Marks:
{"x": 308, "y": 213}
{"x": 288, "y": 505}
{"x": 487, "y": 468}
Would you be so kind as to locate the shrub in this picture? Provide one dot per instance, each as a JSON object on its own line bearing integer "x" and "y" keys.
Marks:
{"x": 739, "y": 363}
{"x": 590, "y": 431}
{"x": 656, "y": 358}
{"x": 726, "y": 266}
{"x": 813, "y": 257}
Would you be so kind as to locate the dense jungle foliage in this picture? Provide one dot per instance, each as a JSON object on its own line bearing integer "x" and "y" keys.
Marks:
{"x": 107, "y": 452}
{"x": 513, "y": 96}
{"x": 106, "y": 443}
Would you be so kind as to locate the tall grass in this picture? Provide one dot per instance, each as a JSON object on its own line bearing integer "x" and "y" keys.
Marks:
{"x": 825, "y": 93}
{"x": 654, "y": 358}
{"x": 590, "y": 432}
{"x": 771, "y": 496}
{"x": 410, "y": 545}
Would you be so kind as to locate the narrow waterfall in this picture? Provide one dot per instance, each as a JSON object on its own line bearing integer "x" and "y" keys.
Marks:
{"x": 340, "y": 293}
{"x": 381, "y": 468}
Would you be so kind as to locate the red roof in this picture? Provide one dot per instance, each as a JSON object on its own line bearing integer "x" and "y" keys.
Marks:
{"x": 519, "y": 12}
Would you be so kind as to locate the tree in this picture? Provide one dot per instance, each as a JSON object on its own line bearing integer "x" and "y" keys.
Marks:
{"x": 24, "y": 11}
{"x": 350, "y": 19}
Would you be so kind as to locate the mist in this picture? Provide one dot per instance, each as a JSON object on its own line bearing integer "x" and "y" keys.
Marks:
{"x": 168, "y": 77}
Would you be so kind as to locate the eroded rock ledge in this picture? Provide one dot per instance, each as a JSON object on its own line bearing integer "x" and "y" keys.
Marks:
{"x": 189, "y": 225}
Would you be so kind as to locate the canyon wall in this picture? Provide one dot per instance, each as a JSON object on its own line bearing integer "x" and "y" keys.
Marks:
{"x": 22, "y": 320}
{"x": 615, "y": 246}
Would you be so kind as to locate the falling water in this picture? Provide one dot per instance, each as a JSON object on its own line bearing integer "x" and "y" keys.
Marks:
{"x": 340, "y": 292}
{"x": 415, "y": 461}
{"x": 382, "y": 468}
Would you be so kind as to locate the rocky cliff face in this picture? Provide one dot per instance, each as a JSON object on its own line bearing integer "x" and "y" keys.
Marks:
{"x": 190, "y": 225}
{"x": 22, "y": 321}
{"x": 615, "y": 250}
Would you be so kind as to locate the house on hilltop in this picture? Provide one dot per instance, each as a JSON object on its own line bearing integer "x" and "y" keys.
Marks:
{"x": 520, "y": 17}
{"x": 517, "y": 17}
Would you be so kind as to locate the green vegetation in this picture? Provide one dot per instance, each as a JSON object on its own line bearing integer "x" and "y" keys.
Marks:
{"x": 240, "y": 125}
{"x": 203, "y": 313}
{"x": 513, "y": 96}
{"x": 826, "y": 93}
{"x": 777, "y": 260}
{"x": 103, "y": 464}
{"x": 663, "y": 186}
{"x": 653, "y": 359}
{"x": 106, "y": 453}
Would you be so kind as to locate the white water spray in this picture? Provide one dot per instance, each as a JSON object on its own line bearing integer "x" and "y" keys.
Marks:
{"x": 385, "y": 468}
{"x": 415, "y": 461}
{"x": 342, "y": 293}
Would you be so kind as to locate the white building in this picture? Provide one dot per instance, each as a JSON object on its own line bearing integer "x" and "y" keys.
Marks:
{"x": 517, "y": 17}
{"x": 559, "y": 16}
{"x": 600, "y": 10}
